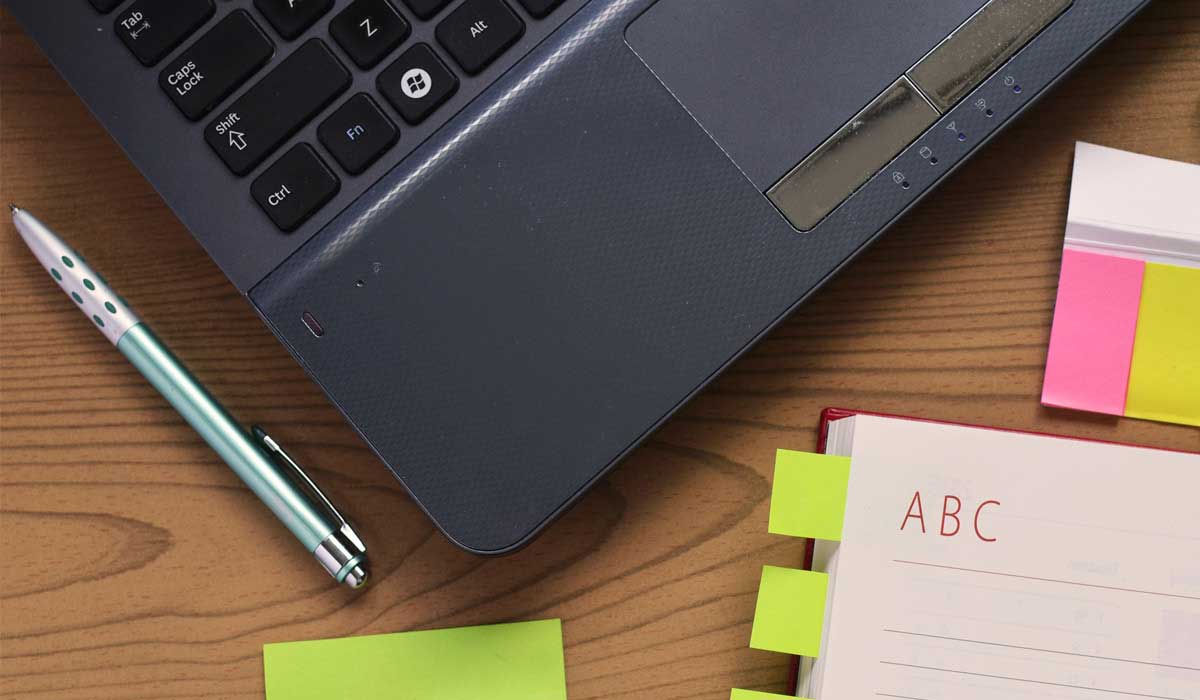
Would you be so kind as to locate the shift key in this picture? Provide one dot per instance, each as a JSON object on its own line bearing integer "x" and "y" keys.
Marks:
{"x": 276, "y": 107}
{"x": 218, "y": 63}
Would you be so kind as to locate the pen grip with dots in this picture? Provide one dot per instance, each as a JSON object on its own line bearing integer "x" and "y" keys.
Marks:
{"x": 86, "y": 288}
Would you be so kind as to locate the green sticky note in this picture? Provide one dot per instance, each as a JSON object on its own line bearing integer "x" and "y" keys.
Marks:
{"x": 739, "y": 694}
{"x": 808, "y": 498}
{"x": 519, "y": 661}
{"x": 790, "y": 611}
{"x": 1164, "y": 374}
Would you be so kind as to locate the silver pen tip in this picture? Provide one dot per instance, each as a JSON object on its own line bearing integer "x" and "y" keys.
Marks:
{"x": 12, "y": 207}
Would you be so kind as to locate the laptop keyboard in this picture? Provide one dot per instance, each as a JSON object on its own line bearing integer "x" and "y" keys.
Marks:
{"x": 312, "y": 76}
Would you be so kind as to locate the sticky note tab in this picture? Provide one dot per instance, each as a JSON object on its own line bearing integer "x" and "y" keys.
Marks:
{"x": 808, "y": 497}
{"x": 739, "y": 694}
{"x": 1091, "y": 342}
{"x": 520, "y": 661}
{"x": 790, "y": 611}
{"x": 1164, "y": 380}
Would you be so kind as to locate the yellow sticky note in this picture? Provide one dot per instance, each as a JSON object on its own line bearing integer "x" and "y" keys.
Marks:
{"x": 790, "y": 611}
{"x": 808, "y": 498}
{"x": 739, "y": 694}
{"x": 1164, "y": 377}
{"x": 519, "y": 661}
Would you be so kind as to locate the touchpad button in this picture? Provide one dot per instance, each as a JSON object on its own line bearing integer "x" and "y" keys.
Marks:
{"x": 770, "y": 80}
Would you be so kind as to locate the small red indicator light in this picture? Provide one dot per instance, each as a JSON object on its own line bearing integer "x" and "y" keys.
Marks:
{"x": 314, "y": 326}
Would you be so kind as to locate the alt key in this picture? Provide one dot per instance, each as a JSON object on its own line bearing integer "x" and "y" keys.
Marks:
{"x": 295, "y": 187}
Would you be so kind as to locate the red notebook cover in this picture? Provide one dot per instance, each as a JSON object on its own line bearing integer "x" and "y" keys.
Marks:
{"x": 831, "y": 414}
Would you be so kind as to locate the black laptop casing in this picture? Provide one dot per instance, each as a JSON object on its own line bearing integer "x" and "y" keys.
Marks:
{"x": 539, "y": 284}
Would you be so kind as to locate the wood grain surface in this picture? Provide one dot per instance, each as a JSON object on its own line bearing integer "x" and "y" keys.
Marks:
{"x": 137, "y": 566}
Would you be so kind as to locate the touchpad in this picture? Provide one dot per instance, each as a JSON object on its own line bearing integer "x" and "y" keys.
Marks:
{"x": 770, "y": 80}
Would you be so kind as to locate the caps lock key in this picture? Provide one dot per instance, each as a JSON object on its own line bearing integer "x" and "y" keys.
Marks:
{"x": 213, "y": 67}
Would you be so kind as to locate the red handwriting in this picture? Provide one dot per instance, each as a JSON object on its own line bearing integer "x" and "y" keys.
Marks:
{"x": 979, "y": 510}
{"x": 951, "y": 523}
{"x": 952, "y": 516}
{"x": 919, "y": 514}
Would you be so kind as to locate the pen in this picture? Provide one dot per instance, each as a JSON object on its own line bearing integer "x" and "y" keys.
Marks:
{"x": 261, "y": 463}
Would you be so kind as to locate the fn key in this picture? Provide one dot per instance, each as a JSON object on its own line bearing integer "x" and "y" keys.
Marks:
{"x": 295, "y": 187}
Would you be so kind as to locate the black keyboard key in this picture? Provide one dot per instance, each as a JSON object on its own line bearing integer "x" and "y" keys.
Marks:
{"x": 213, "y": 67}
{"x": 105, "y": 6}
{"x": 295, "y": 187}
{"x": 291, "y": 17}
{"x": 417, "y": 83}
{"x": 151, "y": 28}
{"x": 358, "y": 133}
{"x": 540, "y": 8}
{"x": 426, "y": 9}
{"x": 276, "y": 107}
{"x": 368, "y": 30}
{"x": 478, "y": 31}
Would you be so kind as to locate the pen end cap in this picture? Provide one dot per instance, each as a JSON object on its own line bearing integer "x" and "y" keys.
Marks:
{"x": 357, "y": 577}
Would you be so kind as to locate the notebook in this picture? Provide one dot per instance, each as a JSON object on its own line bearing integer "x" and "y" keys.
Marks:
{"x": 966, "y": 562}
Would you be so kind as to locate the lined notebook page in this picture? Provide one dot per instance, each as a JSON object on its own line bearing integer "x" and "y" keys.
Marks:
{"x": 1029, "y": 567}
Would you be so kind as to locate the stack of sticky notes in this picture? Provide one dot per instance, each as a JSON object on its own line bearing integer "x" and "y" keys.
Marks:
{"x": 1126, "y": 334}
{"x": 808, "y": 499}
{"x": 518, "y": 661}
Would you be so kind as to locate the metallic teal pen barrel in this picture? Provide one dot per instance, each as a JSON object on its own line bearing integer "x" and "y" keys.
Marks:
{"x": 258, "y": 460}
{"x": 235, "y": 445}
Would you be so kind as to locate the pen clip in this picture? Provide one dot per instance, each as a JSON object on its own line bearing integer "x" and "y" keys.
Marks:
{"x": 274, "y": 449}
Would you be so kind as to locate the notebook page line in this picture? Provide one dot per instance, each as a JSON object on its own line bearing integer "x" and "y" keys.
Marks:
{"x": 1047, "y": 580}
{"x": 1046, "y": 651}
{"x": 1031, "y": 680}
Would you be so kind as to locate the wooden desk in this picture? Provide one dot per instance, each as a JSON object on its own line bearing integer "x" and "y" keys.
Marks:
{"x": 137, "y": 566}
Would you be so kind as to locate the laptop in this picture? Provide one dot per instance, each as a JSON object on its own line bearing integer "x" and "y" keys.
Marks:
{"x": 509, "y": 238}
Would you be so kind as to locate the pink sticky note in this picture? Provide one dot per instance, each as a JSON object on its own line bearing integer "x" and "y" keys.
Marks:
{"x": 1091, "y": 343}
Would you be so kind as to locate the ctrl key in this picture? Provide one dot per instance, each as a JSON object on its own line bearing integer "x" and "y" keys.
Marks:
{"x": 295, "y": 187}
